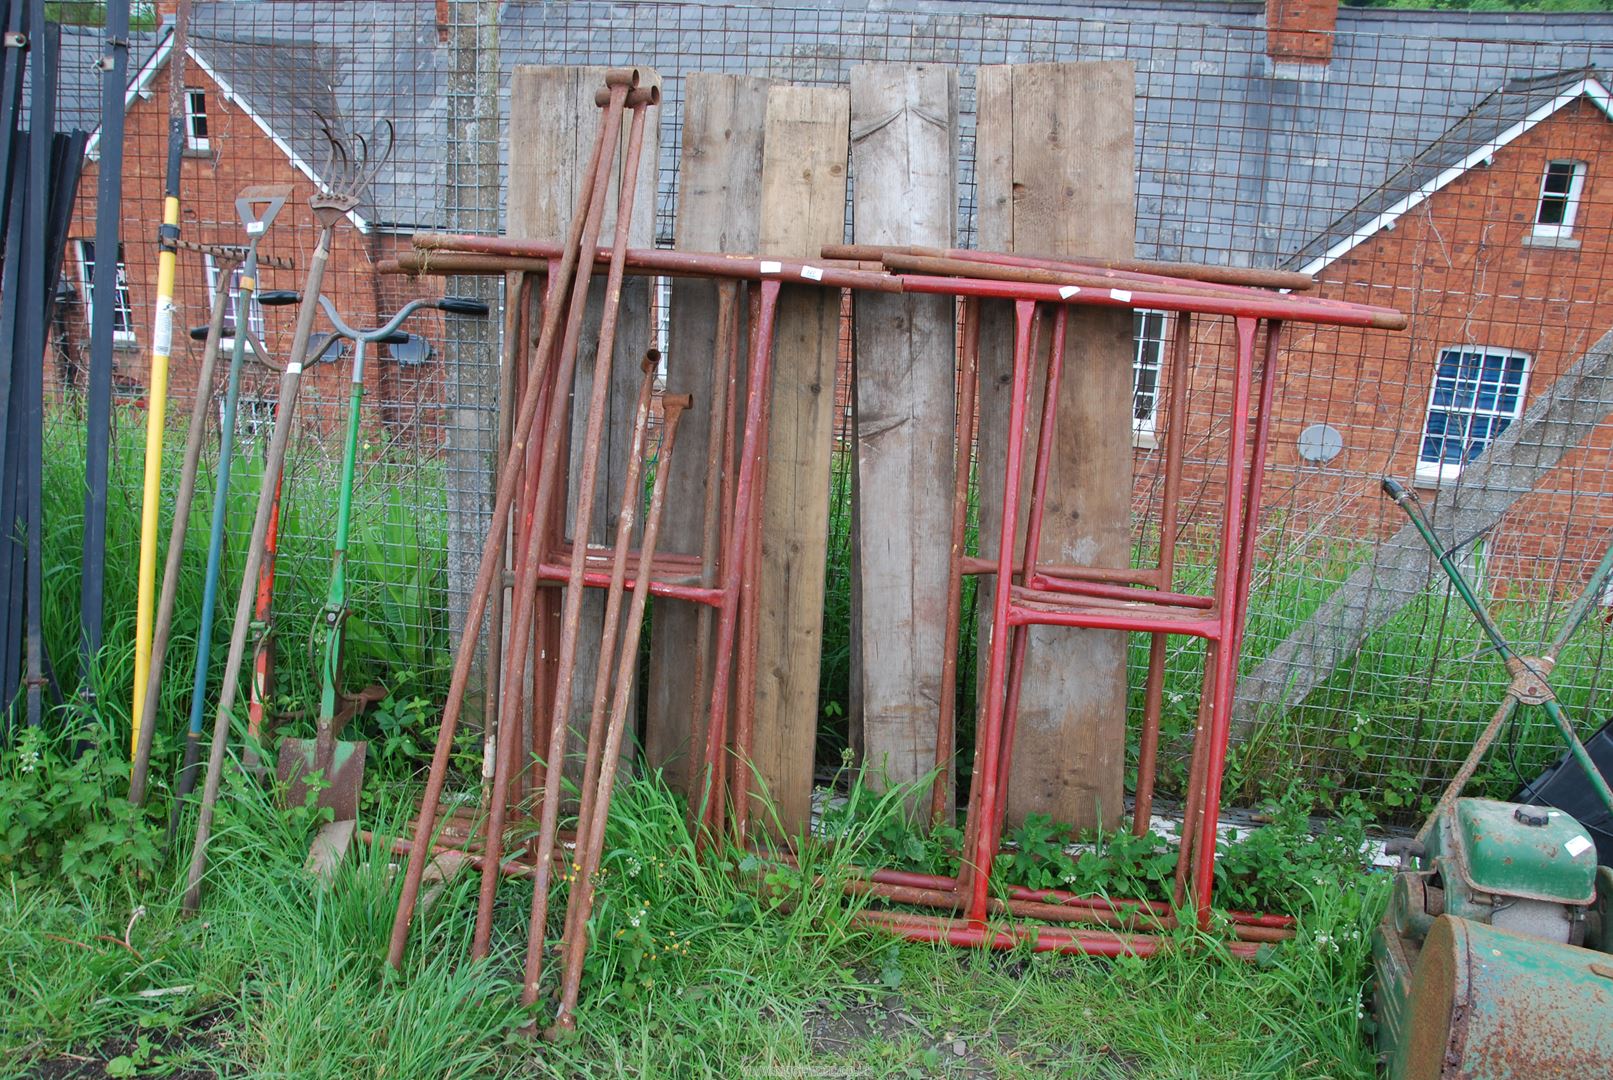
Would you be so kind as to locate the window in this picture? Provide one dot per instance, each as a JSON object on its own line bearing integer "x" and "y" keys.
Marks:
{"x": 1149, "y": 330}
{"x": 254, "y": 315}
{"x": 1478, "y": 393}
{"x": 195, "y": 119}
{"x": 1559, "y": 199}
{"x": 122, "y": 307}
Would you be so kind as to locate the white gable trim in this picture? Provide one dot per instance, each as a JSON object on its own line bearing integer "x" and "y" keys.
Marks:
{"x": 1587, "y": 87}
{"x": 141, "y": 86}
{"x": 138, "y": 87}
{"x": 297, "y": 162}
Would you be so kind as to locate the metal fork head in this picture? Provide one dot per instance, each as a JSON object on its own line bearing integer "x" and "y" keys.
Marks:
{"x": 351, "y": 164}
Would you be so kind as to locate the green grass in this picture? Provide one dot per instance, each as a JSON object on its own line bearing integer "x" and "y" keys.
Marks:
{"x": 697, "y": 970}
{"x": 732, "y": 967}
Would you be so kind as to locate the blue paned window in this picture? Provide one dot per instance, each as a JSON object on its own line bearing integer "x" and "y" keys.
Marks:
{"x": 1478, "y": 392}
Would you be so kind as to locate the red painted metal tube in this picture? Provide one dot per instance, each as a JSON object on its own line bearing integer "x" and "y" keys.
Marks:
{"x": 1140, "y": 917}
{"x": 1154, "y": 687}
{"x": 1062, "y": 897}
{"x": 1147, "y": 576}
{"x": 570, "y": 622}
{"x": 963, "y": 438}
{"x": 1093, "y": 617}
{"x": 1041, "y": 582}
{"x": 745, "y": 511}
{"x": 963, "y": 934}
{"x": 988, "y": 743}
{"x": 578, "y": 238}
{"x": 1290, "y": 307}
{"x": 1226, "y": 589}
{"x": 598, "y": 579}
{"x": 1019, "y": 642}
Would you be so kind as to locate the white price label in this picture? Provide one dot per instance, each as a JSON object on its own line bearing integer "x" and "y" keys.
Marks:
{"x": 812, "y": 273}
{"x": 1577, "y": 845}
{"x": 772, "y": 267}
{"x": 1068, "y": 291}
{"x": 255, "y": 228}
{"x": 1121, "y": 294}
{"x": 162, "y": 335}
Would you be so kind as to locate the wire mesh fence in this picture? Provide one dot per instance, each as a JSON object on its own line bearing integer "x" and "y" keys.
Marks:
{"x": 1449, "y": 166}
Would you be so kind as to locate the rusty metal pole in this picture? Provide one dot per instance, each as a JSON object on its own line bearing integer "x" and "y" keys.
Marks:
{"x": 550, "y": 470}
{"x": 627, "y": 517}
{"x": 577, "y": 241}
{"x": 571, "y": 618}
{"x": 591, "y": 840}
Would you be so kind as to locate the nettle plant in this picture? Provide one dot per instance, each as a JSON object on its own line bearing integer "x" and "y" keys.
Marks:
{"x": 64, "y": 815}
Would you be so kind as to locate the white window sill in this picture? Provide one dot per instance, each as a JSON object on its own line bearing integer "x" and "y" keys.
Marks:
{"x": 1557, "y": 243}
{"x": 1433, "y": 476}
{"x": 1144, "y": 439}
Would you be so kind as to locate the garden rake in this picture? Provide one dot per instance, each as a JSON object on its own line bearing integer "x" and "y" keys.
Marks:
{"x": 350, "y": 168}
{"x": 1529, "y": 673}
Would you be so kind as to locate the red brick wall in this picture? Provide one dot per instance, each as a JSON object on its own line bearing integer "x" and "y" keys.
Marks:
{"x": 1300, "y": 31}
{"x": 1461, "y": 268}
{"x": 239, "y": 155}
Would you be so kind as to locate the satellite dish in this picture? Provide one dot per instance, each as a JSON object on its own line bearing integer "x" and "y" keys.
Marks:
{"x": 1320, "y": 443}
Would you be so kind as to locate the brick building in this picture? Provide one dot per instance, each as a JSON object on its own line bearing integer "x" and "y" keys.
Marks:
{"x": 1451, "y": 164}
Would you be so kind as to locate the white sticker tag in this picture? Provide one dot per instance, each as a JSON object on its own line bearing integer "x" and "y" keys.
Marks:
{"x": 812, "y": 273}
{"x": 772, "y": 267}
{"x": 162, "y": 335}
{"x": 1121, "y": 294}
{"x": 293, "y": 369}
{"x": 255, "y": 228}
{"x": 1068, "y": 291}
{"x": 1577, "y": 845}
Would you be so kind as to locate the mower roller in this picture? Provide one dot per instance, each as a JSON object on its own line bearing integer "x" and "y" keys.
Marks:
{"x": 341, "y": 764}
{"x": 1493, "y": 959}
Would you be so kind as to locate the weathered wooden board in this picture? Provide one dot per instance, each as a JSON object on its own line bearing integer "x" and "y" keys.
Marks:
{"x": 1055, "y": 174}
{"x": 553, "y": 122}
{"x": 802, "y": 208}
{"x": 719, "y": 204}
{"x": 904, "y": 123}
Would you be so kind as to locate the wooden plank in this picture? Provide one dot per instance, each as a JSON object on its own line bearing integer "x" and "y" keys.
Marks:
{"x": 719, "y": 209}
{"x": 1056, "y": 176}
{"x": 904, "y": 122}
{"x": 553, "y": 121}
{"x": 802, "y": 208}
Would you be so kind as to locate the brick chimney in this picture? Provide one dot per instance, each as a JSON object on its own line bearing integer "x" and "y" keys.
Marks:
{"x": 445, "y": 19}
{"x": 1300, "y": 32}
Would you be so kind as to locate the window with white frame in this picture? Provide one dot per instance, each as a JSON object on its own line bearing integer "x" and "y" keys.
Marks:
{"x": 254, "y": 313}
{"x": 122, "y": 305}
{"x": 1149, "y": 331}
{"x": 1560, "y": 190}
{"x": 195, "y": 118}
{"x": 1478, "y": 392}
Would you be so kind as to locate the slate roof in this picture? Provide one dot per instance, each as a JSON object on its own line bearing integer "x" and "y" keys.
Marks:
{"x": 78, "y": 80}
{"x": 1488, "y": 122}
{"x": 1234, "y": 165}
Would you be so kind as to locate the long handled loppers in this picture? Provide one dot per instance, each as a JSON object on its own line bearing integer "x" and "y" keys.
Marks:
{"x": 1529, "y": 674}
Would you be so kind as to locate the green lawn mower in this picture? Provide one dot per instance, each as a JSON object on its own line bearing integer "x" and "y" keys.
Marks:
{"x": 1495, "y": 958}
